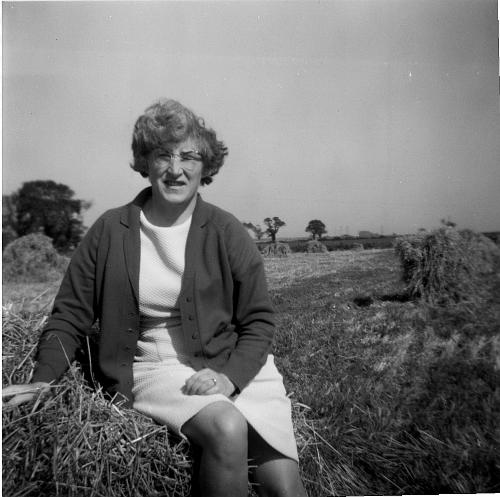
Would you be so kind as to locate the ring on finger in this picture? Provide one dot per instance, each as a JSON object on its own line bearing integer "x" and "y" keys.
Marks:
{"x": 214, "y": 380}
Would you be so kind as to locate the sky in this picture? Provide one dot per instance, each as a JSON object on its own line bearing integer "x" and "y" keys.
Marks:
{"x": 379, "y": 115}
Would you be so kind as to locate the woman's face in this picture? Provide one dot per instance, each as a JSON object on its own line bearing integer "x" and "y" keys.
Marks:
{"x": 175, "y": 173}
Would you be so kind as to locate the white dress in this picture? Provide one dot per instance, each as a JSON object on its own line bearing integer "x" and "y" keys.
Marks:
{"x": 161, "y": 365}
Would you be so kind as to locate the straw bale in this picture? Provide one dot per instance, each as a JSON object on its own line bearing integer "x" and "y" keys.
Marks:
{"x": 78, "y": 443}
{"x": 315, "y": 247}
{"x": 277, "y": 249}
{"x": 446, "y": 265}
{"x": 32, "y": 258}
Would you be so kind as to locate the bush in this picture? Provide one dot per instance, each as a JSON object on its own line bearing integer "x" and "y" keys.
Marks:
{"x": 315, "y": 246}
{"x": 277, "y": 249}
{"x": 32, "y": 258}
{"x": 446, "y": 265}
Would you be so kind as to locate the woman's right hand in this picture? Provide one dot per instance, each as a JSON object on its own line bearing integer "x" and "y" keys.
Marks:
{"x": 23, "y": 393}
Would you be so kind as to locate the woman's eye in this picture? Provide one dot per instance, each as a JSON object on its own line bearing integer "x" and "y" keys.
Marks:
{"x": 190, "y": 156}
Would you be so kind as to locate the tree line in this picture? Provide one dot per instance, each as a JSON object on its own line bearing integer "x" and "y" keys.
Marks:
{"x": 316, "y": 227}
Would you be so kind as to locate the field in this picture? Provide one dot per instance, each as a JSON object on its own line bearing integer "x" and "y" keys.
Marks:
{"x": 300, "y": 244}
{"x": 390, "y": 395}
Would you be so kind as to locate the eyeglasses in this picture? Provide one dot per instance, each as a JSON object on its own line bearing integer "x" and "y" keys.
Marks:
{"x": 184, "y": 157}
{"x": 188, "y": 159}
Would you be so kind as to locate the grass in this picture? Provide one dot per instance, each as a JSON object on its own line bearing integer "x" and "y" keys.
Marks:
{"x": 389, "y": 395}
{"x": 406, "y": 393}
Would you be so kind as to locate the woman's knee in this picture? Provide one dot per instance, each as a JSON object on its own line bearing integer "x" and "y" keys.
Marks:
{"x": 218, "y": 425}
{"x": 229, "y": 427}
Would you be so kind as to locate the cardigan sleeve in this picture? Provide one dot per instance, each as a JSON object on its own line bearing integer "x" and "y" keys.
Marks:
{"x": 73, "y": 313}
{"x": 253, "y": 311}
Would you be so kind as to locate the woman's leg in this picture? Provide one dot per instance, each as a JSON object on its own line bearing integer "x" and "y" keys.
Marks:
{"x": 221, "y": 433}
{"x": 274, "y": 474}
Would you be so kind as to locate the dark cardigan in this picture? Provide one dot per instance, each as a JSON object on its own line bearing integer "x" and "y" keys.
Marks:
{"x": 227, "y": 317}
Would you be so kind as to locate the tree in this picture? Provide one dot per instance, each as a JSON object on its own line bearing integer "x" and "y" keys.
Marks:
{"x": 9, "y": 219}
{"x": 273, "y": 226}
{"x": 256, "y": 229}
{"x": 316, "y": 228}
{"x": 47, "y": 207}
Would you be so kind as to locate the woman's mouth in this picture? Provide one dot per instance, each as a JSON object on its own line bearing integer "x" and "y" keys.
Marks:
{"x": 171, "y": 183}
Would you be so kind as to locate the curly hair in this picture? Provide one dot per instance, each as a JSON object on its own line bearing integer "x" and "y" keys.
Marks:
{"x": 168, "y": 122}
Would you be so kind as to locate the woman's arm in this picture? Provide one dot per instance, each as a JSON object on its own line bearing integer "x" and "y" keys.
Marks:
{"x": 73, "y": 313}
{"x": 253, "y": 311}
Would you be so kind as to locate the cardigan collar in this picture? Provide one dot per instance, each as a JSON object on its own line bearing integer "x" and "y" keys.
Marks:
{"x": 130, "y": 218}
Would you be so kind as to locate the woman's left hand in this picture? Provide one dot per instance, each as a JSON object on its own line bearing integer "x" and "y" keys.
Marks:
{"x": 207, "y": 382}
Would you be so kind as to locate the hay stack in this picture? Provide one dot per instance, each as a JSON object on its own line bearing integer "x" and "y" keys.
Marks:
{"x": 75, "y": 442}
{"x": 446, "y": 266}
{"x": 32, "y": 258}
{"x": 277, "y": 249}
{"x": 315, "y": 247}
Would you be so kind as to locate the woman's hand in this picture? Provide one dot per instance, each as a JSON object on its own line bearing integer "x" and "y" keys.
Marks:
{"x": 23, "y": 393}
{"x": 208, "y": 382}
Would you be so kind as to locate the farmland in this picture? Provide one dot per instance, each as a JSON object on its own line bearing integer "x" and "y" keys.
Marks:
{"x": 339, "y": 243}
{"x": 390, "y": 395}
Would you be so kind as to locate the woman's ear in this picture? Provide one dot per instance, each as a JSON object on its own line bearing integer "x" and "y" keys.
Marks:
{"x": 206, "y": 180}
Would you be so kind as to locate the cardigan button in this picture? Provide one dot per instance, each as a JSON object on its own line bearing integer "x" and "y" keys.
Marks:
{"x": 190, "y": 317}
{"x": 130, "y": 330}
{"x": 188, "y": 299}
{"x": 194, "y": 336}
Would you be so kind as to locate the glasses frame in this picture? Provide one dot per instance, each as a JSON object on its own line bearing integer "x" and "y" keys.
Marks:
{"x": 168, "y": 157}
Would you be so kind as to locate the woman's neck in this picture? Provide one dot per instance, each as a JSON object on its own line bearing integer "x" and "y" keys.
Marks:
{"x": 165, "y": 215}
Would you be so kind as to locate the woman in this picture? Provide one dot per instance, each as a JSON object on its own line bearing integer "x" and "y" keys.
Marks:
{"x": 186, "y": 325}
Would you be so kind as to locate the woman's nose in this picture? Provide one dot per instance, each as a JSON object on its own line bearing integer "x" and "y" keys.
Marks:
{"x": 174, "y": 168}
